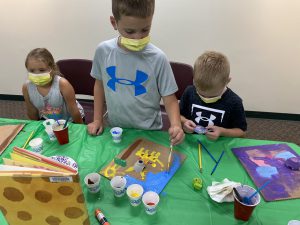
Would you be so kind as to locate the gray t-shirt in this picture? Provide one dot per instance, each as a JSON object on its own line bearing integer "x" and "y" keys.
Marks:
{"x": 133, "y": 84}
{"x": 53, "y": 105}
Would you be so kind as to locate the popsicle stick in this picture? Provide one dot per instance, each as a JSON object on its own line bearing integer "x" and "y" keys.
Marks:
{"x": 200, "y": 157}
{"x": 28, "y": 139}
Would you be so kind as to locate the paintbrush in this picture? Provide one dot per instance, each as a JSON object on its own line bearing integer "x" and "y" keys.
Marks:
{"x": 237, "y": 194}
{"x": 66, "y": 123}
{"x": 170, "y": 157}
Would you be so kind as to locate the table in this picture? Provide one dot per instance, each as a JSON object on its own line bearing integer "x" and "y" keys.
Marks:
{"x": 179, "y": 202}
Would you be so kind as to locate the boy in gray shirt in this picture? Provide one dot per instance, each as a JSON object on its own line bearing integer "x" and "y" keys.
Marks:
{"x": 133, "y": 75}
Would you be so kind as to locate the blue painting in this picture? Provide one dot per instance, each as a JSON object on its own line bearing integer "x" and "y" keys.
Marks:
{"x": 156, "y": 172}
{"x": 268, "y": 162}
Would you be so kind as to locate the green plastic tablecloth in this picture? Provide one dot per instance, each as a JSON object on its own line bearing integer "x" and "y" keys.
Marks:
{"x": 179, "y": 202}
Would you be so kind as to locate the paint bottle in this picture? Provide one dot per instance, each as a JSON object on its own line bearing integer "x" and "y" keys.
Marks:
{"x": 100, "y": 217}
{"x": 139, "y": 166}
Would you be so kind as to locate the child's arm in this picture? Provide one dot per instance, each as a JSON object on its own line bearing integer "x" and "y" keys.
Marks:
{"x": 96, "y": 127}
{"x": 214, "y": 132}
{"x": 238, "y": 122}
{"x": 172, "y": 109}
{"x": 32, "y": 112}
{"x": 68, "y": 94}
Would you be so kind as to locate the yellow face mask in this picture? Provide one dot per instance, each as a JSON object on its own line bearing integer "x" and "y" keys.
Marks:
{"x": 40, "y": 79}
{"x": 134, "y": 44}
{"x": 210, "y": 100}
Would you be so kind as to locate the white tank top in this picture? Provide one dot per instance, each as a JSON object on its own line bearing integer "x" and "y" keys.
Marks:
{"x": 53, "y": 105}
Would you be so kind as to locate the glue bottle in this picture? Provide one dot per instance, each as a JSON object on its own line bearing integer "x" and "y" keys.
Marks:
{"x": 139, "y": 166}
{"x": 100, "y": 217}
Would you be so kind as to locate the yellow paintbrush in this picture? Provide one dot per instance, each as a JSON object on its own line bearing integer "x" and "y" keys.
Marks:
{"x": 170, "y": 157}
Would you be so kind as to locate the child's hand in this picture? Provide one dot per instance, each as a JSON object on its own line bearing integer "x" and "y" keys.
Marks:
{"x": 189, "y": 126}
{"x": 176, "y": 134}
{"x": 213, "y": 132}
{"x": 95, "y": 128}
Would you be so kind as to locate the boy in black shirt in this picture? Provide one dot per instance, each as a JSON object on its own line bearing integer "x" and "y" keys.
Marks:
{"x": 210, "y": 103}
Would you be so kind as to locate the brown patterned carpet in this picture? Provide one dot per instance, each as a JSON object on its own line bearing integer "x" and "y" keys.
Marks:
{"x": 264, "y": 129}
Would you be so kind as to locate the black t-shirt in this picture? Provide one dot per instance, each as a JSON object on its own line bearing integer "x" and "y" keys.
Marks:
{"x": 227, "y": 112}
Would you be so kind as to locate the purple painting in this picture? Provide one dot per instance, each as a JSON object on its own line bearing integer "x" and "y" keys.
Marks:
{"x": 267, "y": 162}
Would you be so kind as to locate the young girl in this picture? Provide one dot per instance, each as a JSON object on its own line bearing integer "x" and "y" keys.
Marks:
{"x": 48, "y": 95}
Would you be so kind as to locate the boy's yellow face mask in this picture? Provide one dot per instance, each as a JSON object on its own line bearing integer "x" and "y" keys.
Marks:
{"x": 210, "y": 100}
{"x": 40, "y": 79}
{"x": 134, "y": 44}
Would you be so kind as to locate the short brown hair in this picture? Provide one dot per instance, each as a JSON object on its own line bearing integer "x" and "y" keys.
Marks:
{"x": 211, "y": 69}
{"x": 137, "y": 8}
{"x": 45, "y": 56}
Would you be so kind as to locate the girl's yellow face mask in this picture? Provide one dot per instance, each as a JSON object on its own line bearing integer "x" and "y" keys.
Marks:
{"x": 134, "y": 44}
{"x": 40, "y": 79}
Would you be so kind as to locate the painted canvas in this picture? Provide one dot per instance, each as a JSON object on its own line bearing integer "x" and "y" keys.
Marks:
{"x": 267, "y": 162}
{"x": 155, "y": 174}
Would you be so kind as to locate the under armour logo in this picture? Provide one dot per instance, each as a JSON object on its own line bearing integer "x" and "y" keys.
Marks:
{"x": 209, "y": 120}
{"x": 138, "y": 87}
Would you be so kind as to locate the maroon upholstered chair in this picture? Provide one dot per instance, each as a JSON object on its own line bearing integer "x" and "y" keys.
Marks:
{"x": 77, "y": 72}
{"x": 183, "y": 74}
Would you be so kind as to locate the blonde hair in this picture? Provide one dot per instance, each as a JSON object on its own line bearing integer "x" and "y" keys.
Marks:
{"x": 136, "y": 8}
{"x": 211, "y": 69}
{"x": 42, "y": 54}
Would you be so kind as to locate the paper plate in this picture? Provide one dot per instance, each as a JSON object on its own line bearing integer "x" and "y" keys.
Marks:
{"x": 65, "y": 160}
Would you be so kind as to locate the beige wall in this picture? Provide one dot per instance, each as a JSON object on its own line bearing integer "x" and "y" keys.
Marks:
{"x": 260, "y": 37}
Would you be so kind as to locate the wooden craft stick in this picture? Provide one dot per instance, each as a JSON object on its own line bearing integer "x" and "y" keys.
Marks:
{"x": 170, "y": 157}
{"x": 207, "y": 151}
{"x": 217, "y": 163}
{"x": 200, "y": 157}
{"x": 28, "y": 139}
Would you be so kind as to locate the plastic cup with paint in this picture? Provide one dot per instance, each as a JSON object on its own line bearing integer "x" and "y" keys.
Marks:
{"x": 92, "y": 181}
{"x": 150, "y": 200}
{"x": 48, "y": 123}
{"x": 36, "y": 145}
{"x": 243, "y": 211}
{"x": 135, "y": 192}
{"x": 118, "y": 184}
{"x": 116, "y": 133}
{"x": 48, "y": 128}
{"x": 61, "y": 133}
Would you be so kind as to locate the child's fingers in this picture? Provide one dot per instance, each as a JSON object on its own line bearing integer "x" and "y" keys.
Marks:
{"x": 99, "y": 131}
{"x": 176, "y": 135}
{"x": 92, "y": 129}
{"x": 178, "y": 139}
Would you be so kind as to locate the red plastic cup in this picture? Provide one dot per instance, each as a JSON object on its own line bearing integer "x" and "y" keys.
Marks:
{"x": 242, "y": 211}
{"x": 62, "y": 134}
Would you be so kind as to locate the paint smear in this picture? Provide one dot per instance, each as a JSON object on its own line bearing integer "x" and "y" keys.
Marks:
{"x": 266, "y": 171}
